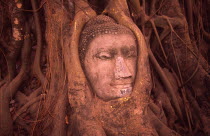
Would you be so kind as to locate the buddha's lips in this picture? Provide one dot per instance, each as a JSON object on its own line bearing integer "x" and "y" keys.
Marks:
{"x": 126, "y": 91}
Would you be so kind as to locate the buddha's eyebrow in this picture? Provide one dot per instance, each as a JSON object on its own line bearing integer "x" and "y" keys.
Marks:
{"x": 125, "y": 49}
{"x": 112, "y": 51}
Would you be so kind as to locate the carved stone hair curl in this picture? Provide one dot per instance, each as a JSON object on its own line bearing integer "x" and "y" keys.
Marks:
{"x": 100, "y": 25}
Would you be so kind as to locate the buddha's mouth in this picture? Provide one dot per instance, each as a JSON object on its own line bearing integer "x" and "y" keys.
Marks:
{"x": 125, "y": 91}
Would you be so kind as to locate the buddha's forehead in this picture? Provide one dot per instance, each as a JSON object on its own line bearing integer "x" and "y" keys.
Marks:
{"x": 110, "y": 41}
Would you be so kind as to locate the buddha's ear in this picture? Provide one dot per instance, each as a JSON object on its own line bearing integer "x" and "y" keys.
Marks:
{"x": 78, "y": 93}
{"x": 118, "y": 10}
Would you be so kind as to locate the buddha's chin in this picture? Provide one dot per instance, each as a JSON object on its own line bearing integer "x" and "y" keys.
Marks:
{"x": 116, "y": 93}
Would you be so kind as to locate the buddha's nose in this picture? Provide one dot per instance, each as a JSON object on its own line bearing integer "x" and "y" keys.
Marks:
{"x": 121, "y": 69}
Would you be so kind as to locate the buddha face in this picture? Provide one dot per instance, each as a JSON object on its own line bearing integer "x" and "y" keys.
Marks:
{"x": 110, "y": 65}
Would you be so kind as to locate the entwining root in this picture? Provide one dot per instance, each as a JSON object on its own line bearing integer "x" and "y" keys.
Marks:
{"x": 36, "y": 65}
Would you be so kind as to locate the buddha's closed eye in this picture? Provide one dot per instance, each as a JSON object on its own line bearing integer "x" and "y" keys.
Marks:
{"x": 104, "y": 56}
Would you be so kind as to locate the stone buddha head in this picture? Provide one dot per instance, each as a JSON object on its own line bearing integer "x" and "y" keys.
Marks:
{"x": 108, "y": 54}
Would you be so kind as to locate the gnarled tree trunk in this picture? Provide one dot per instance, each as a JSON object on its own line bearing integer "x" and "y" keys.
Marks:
{"x": 36, "y": 63}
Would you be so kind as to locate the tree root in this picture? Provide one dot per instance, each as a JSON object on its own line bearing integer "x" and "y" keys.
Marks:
{"x": 165, "y": 32}
{"x": 2, "y": 83}
{"x": 15, "y": 83}
{"x": 191, "y": 77}
{"x": 158, "y": 112}
{"x": 23, "y": 124}
{"x": 36, "y": 65}
{"x": 8, "y": 90}
{"x": 72, "y": 62}
{"x": 196, "y": 109}
{"x": 159, "y": 41}
{"x": 160, "y": 127}
{"x": 27, "y": 105}
{"x": 167, "y": 84}
{"x": 58, "y": 36}
{"x": 3, "y": 43}
{"x": 162, "y": 98}
{"x": 22, "y": 100}
{"x": 188, "y": 113}
{"x": 60, "y": 114}
{"x": 200, "y": 25}
{"x": 206, "y": 34}
{"x": 190, "y": 17}
{"x": 16, "y": 42}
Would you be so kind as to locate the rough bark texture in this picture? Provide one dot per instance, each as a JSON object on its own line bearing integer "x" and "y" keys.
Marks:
{"x": 43, "y": 90}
